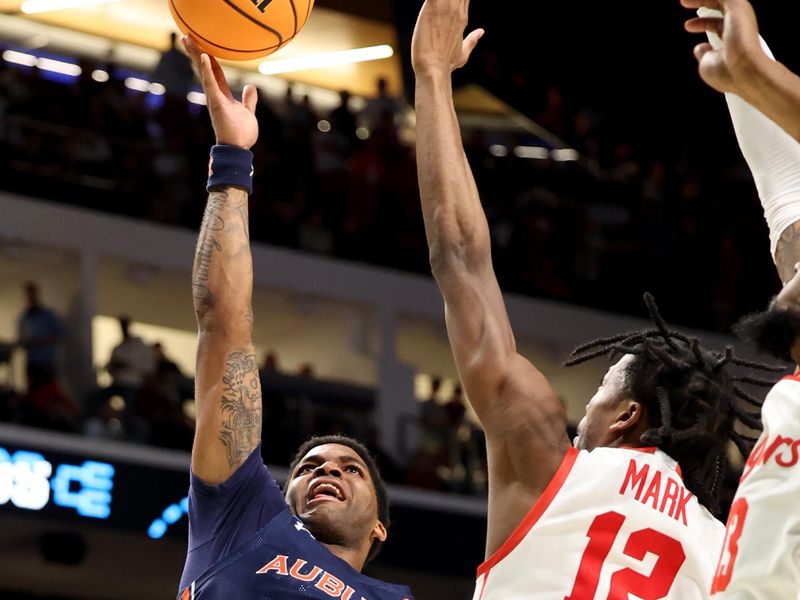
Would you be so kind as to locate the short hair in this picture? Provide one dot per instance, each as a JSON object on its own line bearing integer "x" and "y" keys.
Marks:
{"x": 372, "y": 467}
{"x": 691, "y": 398}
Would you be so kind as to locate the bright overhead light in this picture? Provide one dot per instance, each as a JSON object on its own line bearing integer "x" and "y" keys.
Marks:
{"x": 58, "y": 66}
{"x": 100, "y": 76}
{"x": 325, "y": 60}
{"x": 498, "y": 150}
{"x": 30, "y": 7}
{"x": 533, "y": 152}
{"x": 46, "y": 64}
{"x": 196, "y": 98}
{"x": 565, "y": 154}
{"x": 19, "y": 58}
{"x": 135, "y": 83}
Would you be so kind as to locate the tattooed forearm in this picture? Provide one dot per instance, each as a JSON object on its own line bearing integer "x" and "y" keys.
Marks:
{"x": 241, "y": 407}
{"x": 787, "y": 253}
{"x": 225, "y": 221}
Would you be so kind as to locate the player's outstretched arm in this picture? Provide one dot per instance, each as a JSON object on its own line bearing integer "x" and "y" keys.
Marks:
{"x": 524, "y": 421}
{"x": 742, "y": 67}
{"x": 228, "y": 389}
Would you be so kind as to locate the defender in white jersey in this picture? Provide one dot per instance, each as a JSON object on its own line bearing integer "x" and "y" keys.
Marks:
{"x": 761, "y": 556}
{"x": 602, "y": 520}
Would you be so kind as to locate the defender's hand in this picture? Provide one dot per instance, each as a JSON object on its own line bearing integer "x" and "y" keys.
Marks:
{"x": 234, "y": 122}
{"x": 439, "y": 44}
{"x": 730, "y": 68}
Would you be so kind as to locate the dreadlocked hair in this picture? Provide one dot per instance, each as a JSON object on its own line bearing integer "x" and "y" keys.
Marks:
{"x": 692, "y": 400}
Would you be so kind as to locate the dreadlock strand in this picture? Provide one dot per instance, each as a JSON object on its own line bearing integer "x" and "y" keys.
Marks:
{"x": 658, "y": 320}
{"x": 740, "y": 393}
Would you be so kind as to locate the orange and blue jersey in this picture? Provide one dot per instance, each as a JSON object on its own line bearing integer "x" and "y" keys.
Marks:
{"x": 245, "y": 543}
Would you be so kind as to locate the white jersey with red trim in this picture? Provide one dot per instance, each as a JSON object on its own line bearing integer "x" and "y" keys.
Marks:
{"x": 761, "y": 556}
{"x": 613, "y": 524}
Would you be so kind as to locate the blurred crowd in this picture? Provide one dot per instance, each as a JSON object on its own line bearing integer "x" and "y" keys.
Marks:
{"x": 144, "y": 397}
{"x": 342, "y": 183}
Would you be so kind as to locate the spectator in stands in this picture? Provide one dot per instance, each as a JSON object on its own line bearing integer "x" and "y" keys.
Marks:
{"x": 132, "y": 362}
{"x": 160, "y": 403}
{"x": 344, "y": 124}
{"x": 174, "y": 70}
{"x": 384, "y": 110}
{"x": 40, "y": 331}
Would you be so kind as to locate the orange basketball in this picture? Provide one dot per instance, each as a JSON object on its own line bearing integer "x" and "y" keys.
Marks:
{"x": 241, "y": 29}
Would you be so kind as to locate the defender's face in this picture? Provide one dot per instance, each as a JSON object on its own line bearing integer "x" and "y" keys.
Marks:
{"x": 601, "y": 412}
{"x": 332, "y": 492}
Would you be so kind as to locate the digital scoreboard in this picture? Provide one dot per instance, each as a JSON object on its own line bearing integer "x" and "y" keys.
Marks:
{"x": 98, "y": 483}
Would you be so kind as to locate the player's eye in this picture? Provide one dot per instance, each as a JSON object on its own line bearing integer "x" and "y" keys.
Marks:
{"x": 305, "y": 469}
{"x": 353, "y": 469}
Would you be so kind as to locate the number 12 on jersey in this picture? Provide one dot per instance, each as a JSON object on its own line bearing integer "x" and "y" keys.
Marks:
{"x": 602, "y": 534}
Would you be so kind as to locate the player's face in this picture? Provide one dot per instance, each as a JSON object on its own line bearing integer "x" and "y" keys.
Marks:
{"x": 603, "y": 409}
{"x": 332, "y": 492}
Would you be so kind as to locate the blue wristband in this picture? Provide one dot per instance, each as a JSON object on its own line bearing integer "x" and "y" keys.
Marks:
{"x": 230, "y": 166}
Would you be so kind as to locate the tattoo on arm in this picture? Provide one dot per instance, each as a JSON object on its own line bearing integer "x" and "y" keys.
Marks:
{"x": 206, "y": 246}
{"x": 241, "y": 407}
{"x": 787, "y": 254}
{"x": 213, "y": 231}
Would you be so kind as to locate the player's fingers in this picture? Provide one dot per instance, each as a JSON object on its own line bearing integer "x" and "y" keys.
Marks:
{"x": 701, "y": 50}
{"x": 192, "y": 49}
{"x": 210, "y": 85}
{"x": 705, "y": 24}
{"x": 470, "y": 42}
{"x": 219, "y": 77}
{"x": 250, "y": 97}
{"x": 695, "y": 4}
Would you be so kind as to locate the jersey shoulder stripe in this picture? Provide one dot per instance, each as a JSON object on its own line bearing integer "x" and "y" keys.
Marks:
{"x": 534, "y": 514}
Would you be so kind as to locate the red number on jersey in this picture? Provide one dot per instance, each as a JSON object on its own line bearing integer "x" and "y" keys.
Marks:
{"x": 602, "y": 534}
{"x": 730, "y": 549}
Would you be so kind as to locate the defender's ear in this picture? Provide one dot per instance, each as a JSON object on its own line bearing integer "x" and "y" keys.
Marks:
{"x": 631, "y": 416}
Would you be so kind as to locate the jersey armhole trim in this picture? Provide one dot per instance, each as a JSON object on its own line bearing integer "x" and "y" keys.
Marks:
{"x": 534, "y": 514}
{"x": 795, "y": 377}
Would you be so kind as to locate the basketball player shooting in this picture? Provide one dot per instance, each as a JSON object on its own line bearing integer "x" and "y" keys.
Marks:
{"x": 625, "y": 513}
{"x": 247, "y": 538}
{"x": 761, "y": 555}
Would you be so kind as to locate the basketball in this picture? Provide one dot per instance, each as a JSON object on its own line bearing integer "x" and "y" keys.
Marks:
{"x": 241, "y": 29}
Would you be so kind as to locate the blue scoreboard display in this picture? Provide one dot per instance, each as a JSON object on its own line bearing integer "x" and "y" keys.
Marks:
{"x": 96, "y": 490}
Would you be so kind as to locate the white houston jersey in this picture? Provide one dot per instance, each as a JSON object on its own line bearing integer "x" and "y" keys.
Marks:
{"x": 613, "y": 524}
{"x": 761, "y": 556}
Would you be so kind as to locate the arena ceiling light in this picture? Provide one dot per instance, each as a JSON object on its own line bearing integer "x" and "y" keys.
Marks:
{"x": 47, "y": 64}
{"x": 325, "y": 60}
{"x": 30, "y": 7}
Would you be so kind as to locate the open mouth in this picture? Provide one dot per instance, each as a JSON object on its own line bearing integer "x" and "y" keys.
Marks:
{"x": 325, "y": 491}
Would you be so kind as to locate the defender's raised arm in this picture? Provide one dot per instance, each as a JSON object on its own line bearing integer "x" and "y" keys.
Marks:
{"x": 524, "y": 421}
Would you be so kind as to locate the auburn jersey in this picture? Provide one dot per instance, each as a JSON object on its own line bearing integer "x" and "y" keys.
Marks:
{"x": 613, "y": 524}
{"x": 245, "y": 544}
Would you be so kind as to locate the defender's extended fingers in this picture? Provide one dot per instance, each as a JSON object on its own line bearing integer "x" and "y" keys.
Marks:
{"x": 471, "y": 41}
{"x": 695, "y": 4}
{"x": 701, "y": 50}
{"x": 705, "y": 24}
